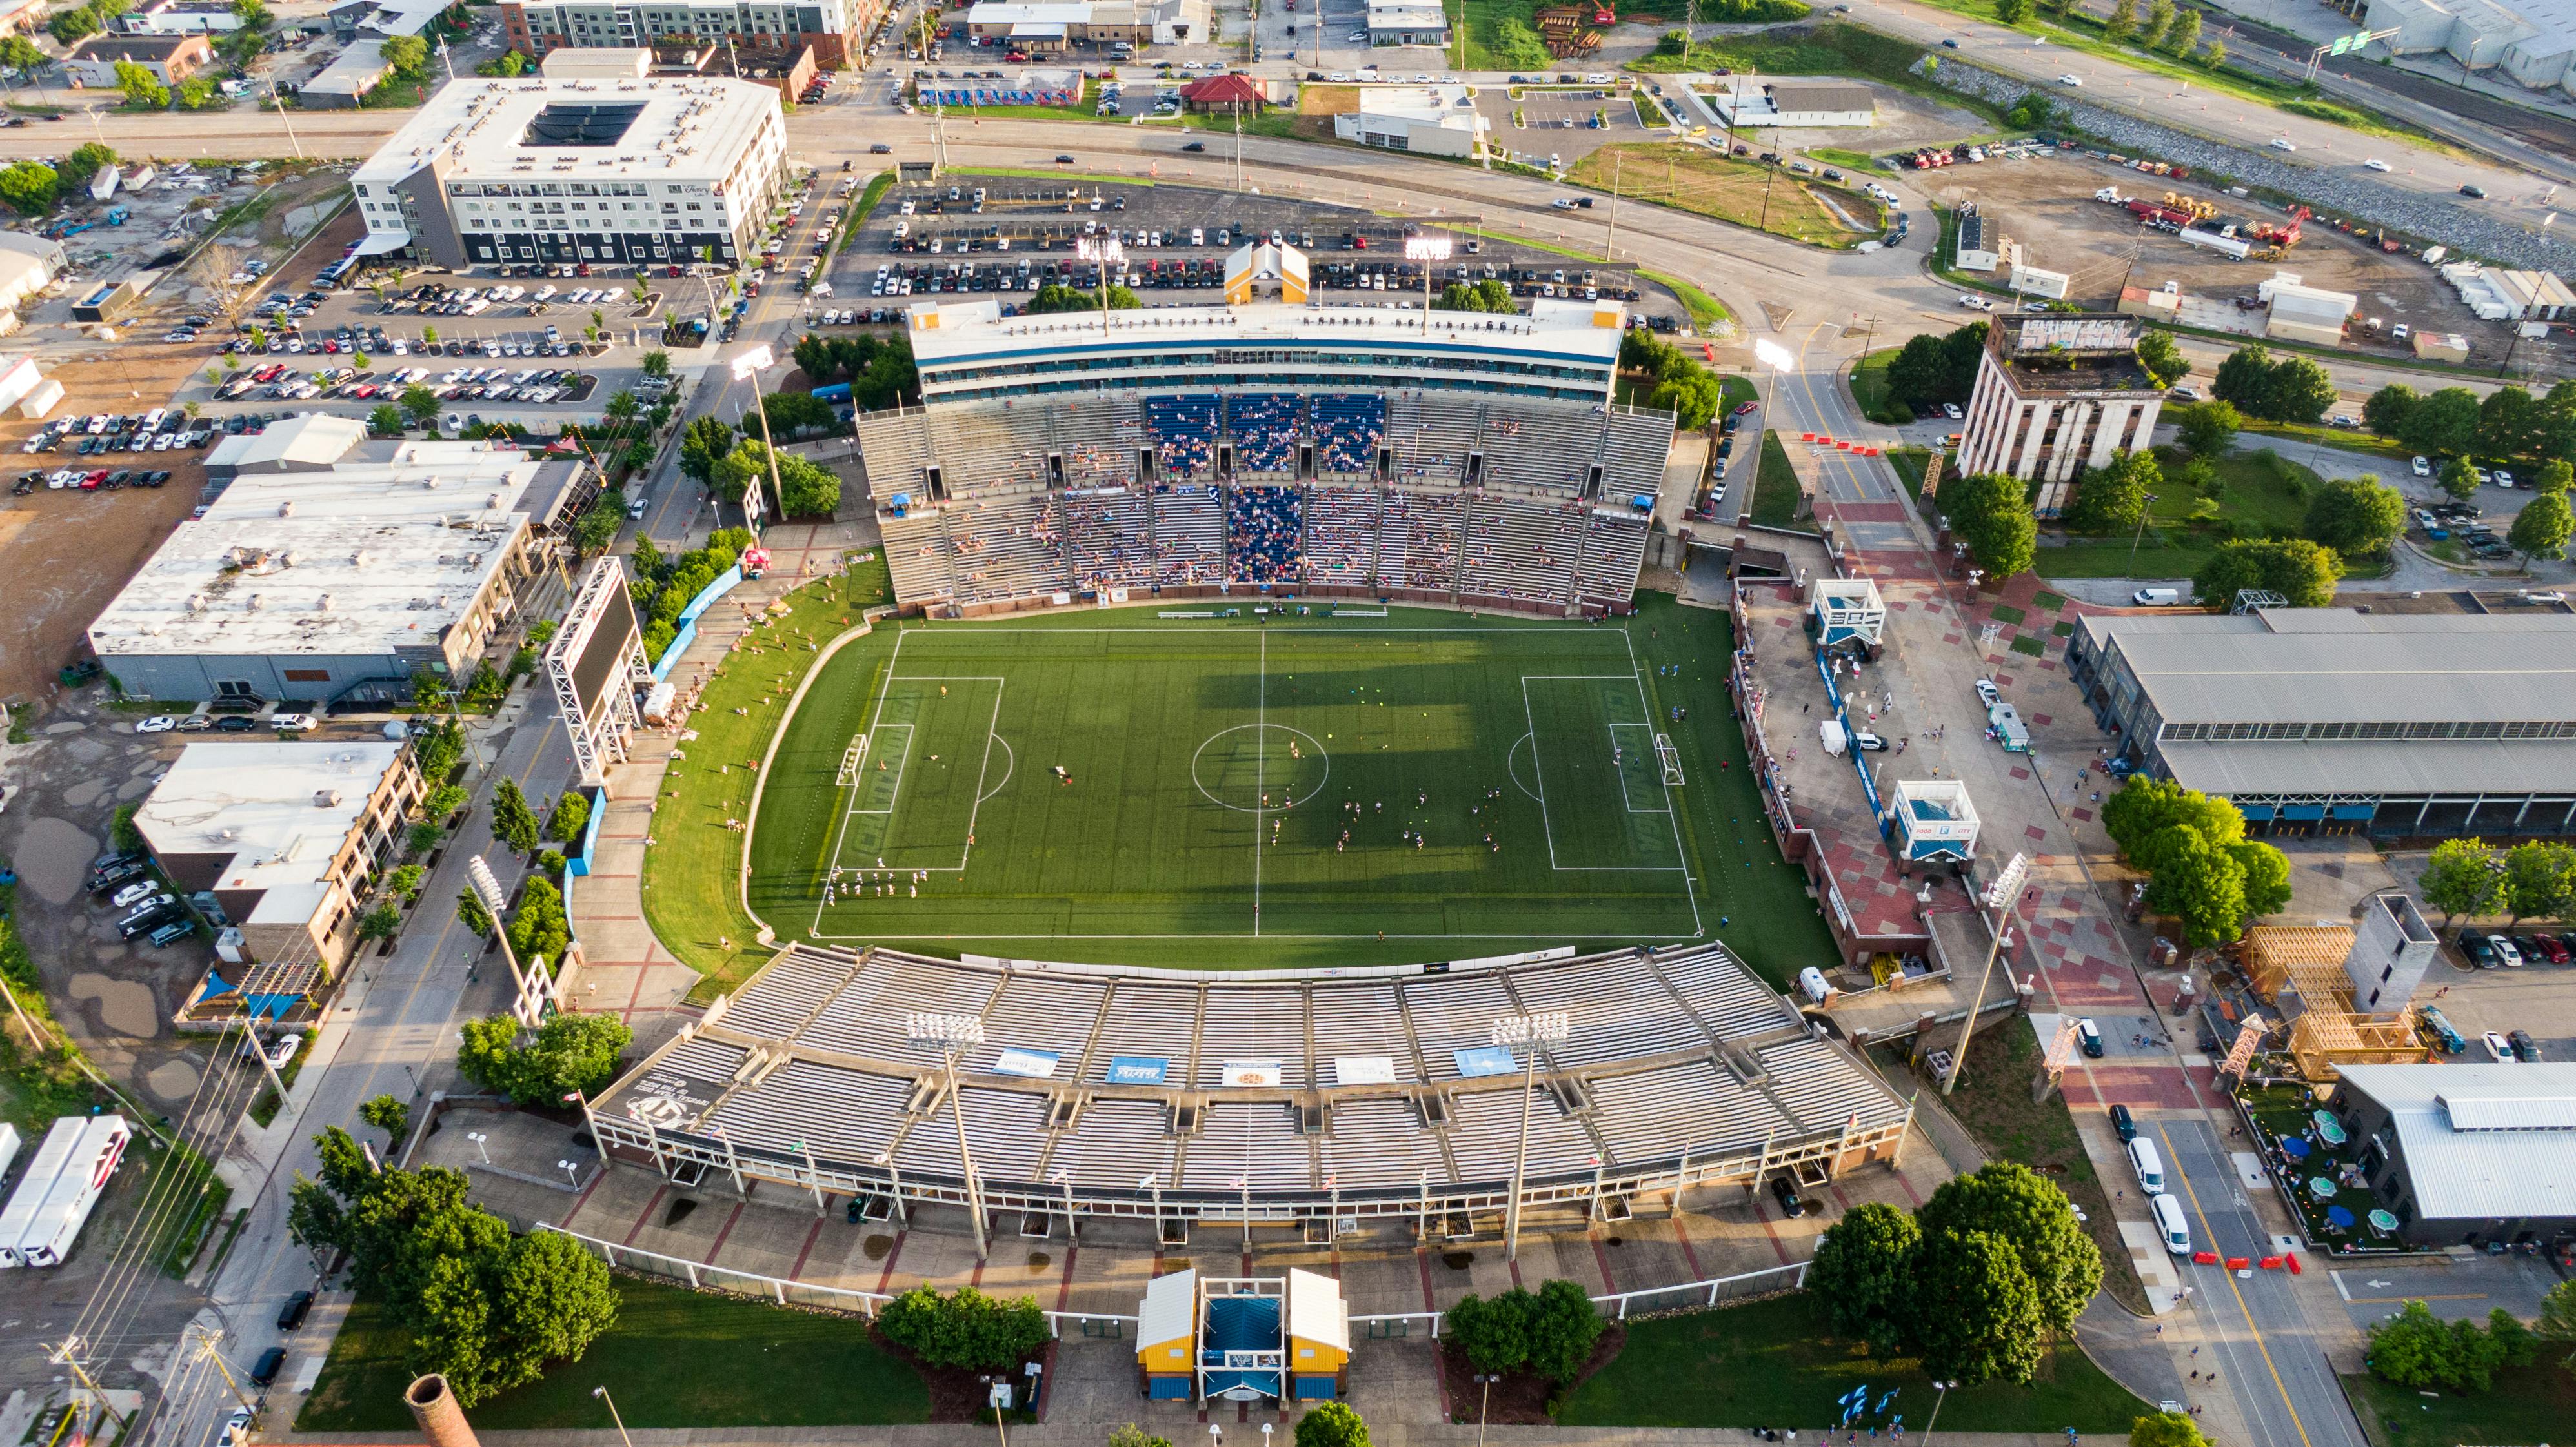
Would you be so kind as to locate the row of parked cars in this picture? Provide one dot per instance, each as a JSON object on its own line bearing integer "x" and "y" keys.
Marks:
{"x": 126, "y": 882}
{"x": 104, "y": 433}
{"x": 2512, "y": 952}
{"x": 95, "y": 479}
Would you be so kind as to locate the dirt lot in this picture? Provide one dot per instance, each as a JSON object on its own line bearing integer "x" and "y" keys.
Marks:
{"x": 2052, "y": 211}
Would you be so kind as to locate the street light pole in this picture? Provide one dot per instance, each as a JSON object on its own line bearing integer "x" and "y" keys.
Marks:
{"x": 747, "y": 368}
{"x": 1484, "y": 1400}
{"x": 952, "y": 1034}
{"x": 1941, "y": 1391}
{"x": 2003, "y": 894}
{"x": 1103, "y": 252}
{"x": 1777, "y": 359}
{"x": 602, "y": 1394}
{"x": 2140, "y": 533}
{"x": 1550, "y": 1027}
{"x": 1427, "y": 250}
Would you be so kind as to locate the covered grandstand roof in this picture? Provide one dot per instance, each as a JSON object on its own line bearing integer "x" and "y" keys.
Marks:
{"x": 944, "y": 332}
{"x": 2313, "y": 665}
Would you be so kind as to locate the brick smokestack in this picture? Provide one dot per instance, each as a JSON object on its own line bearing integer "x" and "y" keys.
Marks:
{"x": 434, "y": 1408}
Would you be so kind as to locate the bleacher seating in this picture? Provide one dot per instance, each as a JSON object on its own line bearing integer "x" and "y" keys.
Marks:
{"x": 1432, "y": 433}
{"x": 1011, "y": 547}
{"x": 1349, "y": 427}
{"x": 1633, "y": 453}
{"x": 1189, "y": 536}
{"x": 1113, "y": 539}
{"x": 1644, "y": 1045}
{"x": 1614, "y": 552}
{"x": 1342, "y": 535}
{"x": 920, "y": 556}
{"x": 1522, "y": 551}
{"x": 1418, "y": 539}
{"x": 1184, "y": 430}
{"x": 1264, "y": 534}
{"x": 1265, "y": 427}
{"x": 1568, "y": 444}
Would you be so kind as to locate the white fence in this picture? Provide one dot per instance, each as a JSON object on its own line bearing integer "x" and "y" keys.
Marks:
{"x": 1690, "y": 1293}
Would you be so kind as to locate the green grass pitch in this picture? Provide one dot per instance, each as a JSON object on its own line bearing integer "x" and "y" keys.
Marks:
{"x": 1241, "y": 793}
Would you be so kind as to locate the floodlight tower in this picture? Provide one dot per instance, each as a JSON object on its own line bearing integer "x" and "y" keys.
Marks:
{"x": 1103, "y": 252}
{"x": 535, "y": 986}
{"x": 952, "y": 1034}
{"x": 1549, "y": 1027}
{"x": 1428, "y": 249}
{"x": 747, "y": 367}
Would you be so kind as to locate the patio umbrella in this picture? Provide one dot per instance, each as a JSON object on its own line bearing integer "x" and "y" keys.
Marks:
{"x": 2382, "y": 1221}
{"x": 2321, "y": 1187}
{"x": 2338, "y": 1217}
{"x": 2329, "y": 1129}
{"x": 2295, "y": 1147}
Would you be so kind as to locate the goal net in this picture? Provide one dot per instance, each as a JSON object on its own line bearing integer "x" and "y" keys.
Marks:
{"x": 852, "y": 758}
{"x": 1670, "y": 758}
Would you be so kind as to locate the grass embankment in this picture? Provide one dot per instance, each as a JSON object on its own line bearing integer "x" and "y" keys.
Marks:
{"x": 1706, "y": 312}
{"x": 676, "y": 1358}
{"x": 2261, "y": 494}
{"x": 1775, "y": 486}
{"x": 1775, "y": 1361}
{"x": 1993, "y": 1102}
{"x": 1910, "y": 464}
{"x": 689, "y": 895}
{"x": 2529, "y": 1405}
{"x": 1869, "y": 382}
{"x": 1743, "y": 193}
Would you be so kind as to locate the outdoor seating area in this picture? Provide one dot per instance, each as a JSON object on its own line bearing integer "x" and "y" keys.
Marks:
{"x": 1348, "y": 430}
{"x": 1264, "y": 534}
{"x": 1184, "y": 431}
{"x": 1265, "y": 426}
{"x": 2316, "y": 1167}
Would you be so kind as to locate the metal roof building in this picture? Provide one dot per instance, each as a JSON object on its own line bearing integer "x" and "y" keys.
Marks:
{"x": 2405, "y": 725}
{"x": 2468, "y": 1154}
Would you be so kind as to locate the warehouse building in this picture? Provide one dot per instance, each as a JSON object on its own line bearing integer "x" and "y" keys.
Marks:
{"x": 2056, "y": 395}
{"x": 1431, "y": 120}
{"x": 2303, "y": 313}
{"x": 1749, "y": 102}
{"x": 1406, "y": 22}
{"x": 284, "y": 835}
{"x": 540, "y": 170}
{"x": 331, "y": 583}
{"x": 2467, "y": 1155}
{"x": 2318, "y": 720}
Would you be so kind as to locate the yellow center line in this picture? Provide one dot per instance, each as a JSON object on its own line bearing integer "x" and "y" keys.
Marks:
{"x": 2175, "y": 1159}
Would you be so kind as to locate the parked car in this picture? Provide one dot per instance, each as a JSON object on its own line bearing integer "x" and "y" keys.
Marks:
{"x": 2124, "y": 1123}
{"x": 265, "y": 1370}
{"x": 2089, "y": 1036}
{"x": 293, "y": 722}
{"x": 2499, "y": 1049}
{"x": 1786, "y": 1193}
{"x": 292, "y": 1314}
{"x": 2480, "y": 950}
{"x": 2525, "y": 1049}
{"x": 134, "y": 894}
{"x": 2508, "y": 953}
{"x": 1987, "y": 693}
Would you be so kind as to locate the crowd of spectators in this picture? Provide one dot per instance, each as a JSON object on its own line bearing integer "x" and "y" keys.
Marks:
{"x": 1265, "y": 427}
{"x": 1349, "y": 429}
{"x": 1184, "y": 429}
{"x": 1264, "y": 534}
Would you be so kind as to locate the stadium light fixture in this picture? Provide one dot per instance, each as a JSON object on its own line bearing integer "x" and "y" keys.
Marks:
{"x": 1103, "y": 252}
{"x": 953, "y": 1033}
{"x": 1774, "y": 358}
{"x": 1428, "y": 248}
{"x": 487, "y": 888}
{"x": 1547, "y": 1027}
{"x": 2003, "y": 894}
{"x": 747, "y": 367}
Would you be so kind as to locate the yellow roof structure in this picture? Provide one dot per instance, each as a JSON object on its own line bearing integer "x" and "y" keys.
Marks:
{"x": 1167, "y": 1322}
{"x": 1263, "y": 262}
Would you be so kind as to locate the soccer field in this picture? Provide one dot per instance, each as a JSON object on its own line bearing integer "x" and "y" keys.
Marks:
{"x": 1118, "y": 787}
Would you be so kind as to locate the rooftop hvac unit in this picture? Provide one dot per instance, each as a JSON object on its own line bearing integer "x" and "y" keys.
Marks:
{"x": 286, "y": 509}
{"x": 360, "y": 558}
{"x": 326, "y": 798}
{"x": 230, "y": 833}
{"x": 442, "y": 600}
{"x": 196, "y": 602}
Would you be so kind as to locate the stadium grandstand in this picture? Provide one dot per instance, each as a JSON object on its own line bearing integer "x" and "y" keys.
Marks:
{"x": 1193, "y": 449}
{"x": 1280, "y": 1097}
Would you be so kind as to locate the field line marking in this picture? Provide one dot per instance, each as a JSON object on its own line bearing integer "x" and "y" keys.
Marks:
{"x": 992, "y": 736}
{"x": 1013, "y": 765}
{"x": 954, "y": 935}
{"x": 902, "y": 764}
{"x": 894, "y": 660}
{"x": 1260, "y": 761}
{"x": 1538, "y": 774}
{"x": 1681, "y": 851}
{"x": 1623, "y": 767}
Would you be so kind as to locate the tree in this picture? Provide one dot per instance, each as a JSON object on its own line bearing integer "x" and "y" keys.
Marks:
{"x": 385, "y": 420}
{"x": 1563, "y": 1330}
{"x": 2413, "y": 1349}
{"x": 2201, "y": 885}
{"x": 83, "y": 163}
{"x": 406, "y": 55}
{"x": 571, "y": 816}
{"x": 2215, "y": 56}
{"x": 2114, "y": 498}
{"x": 2557, "y": 1323}
{"x": 29, "y": 187}
{"x": 568, "y": 1054}
{"x": 2031, "y": 1216}
{"x": 550, "y": 1300}
{"x": 2208, "y": 427}
{"x": 2356, "y": 516}
{"x": 706, "y": 440}
{"x": 19, "y": 53}
{"x": 2299, "y": 390}
{"x": 1494, "y": 1334}
{"x": 2145, "y": 808}
{"x": 621, "y": 407}
{"x": 2011, "y": 12}
{"x": 74, "y": 25}
{"x": 381, "y": 923}
{"x": 2160, "y": 19}
{"x": 2465, "y": 876}
{"x": 2459, "y": 479}
{"x": 1863, "y": 1272}
{"x": 196, "y": 93}
{"x": 2390, "y": 409}
{"x": 967, "y": 1330}
{"x": 1332, "y": 1424}
{"x": 1132, "y": 1435}
{"x": 2540, "y": 530}
{"x": 2162, "y": 358}
{"x": 390, "y": 1114}
{"x": 421, "y": 403}
{"x": 2509, "y": 423}
{"x": 654, "y": 363}
{"x": 1694, "y": 400}
{"x": 2446, "y": 422}
{"x": 2296, "y": 568}
{"x": 805, "y": 489}
{"x": 2123, "y": 21}
{"x": 538, "y": 928}
{"x": 487, "y": 1050}
{"x": 2538, "y": 882}
{"x": 1055, "y": 297}
{"x": 597, "y": 528}
{"x": 2267, "y": 876}
{"x": 2244, "y": 380}
{"x": 2166, "y": 1429}
{"x": 143, "y": 90}
{"x": 1977, "y": 1315}
{"x": 513, "y": 822}
{"x": 2185, "y": 33}
{"x": 1914, "y": 374}
{"x": 1990, "y": 512}
{"x": 2555, "y": 475}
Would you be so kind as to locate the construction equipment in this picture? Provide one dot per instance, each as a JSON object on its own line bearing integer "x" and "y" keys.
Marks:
{"x": 1570, "y": 30}
{"x": 2199, "y": 209}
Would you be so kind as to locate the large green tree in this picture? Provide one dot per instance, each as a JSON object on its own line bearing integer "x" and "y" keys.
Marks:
{"x": 2113, "y": 498}
{"x": 2539, "y": 881}
{"x": 2207, "y": 427}
{"x": 2509, "y": 423}
{"x": 2356, "y": 516}
{"x": 2027, "y": 1212}
{"x": 1863, "y": 1272}
{"x": 2162, "y": 357}
{"x": 29, "y": 187}
{"x": 2166, "y": 1429}
{"x": 1332, "y": 1424}
{"x": 966, "y": 1329}
{"x": 1977, "y": 1312}
{"x": 1990, "y": 511}
{"x": 2465, "y": 876}
{"x": 2445, "y": 422}
{"x": 2299, "y": 390}
{"x": 569, "y": 1054}
{"x": 2296, "y": 568}
{"x": 2390, "y": 409}
{"x": 2541, "y": 529}
{"x": 2145, "y": 807}
{"x": 706, "y": 440}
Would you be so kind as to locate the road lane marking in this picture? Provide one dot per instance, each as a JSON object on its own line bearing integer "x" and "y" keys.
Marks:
{"x": 2268, "y": 1365}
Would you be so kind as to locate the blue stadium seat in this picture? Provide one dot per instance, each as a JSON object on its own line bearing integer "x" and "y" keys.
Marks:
{"x": 1349, "y": 427}
{"x": 1265, "y": 427}
{"x": 1264, "y": 534}
{"x": 1184, "y": 430}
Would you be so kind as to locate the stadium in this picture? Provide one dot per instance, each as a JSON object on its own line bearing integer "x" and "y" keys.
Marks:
{"x": 1366, "y": 869}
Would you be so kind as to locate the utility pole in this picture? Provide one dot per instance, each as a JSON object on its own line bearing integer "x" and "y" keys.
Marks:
{"x": 1238, "y": 150}
{"x": 1774, "y": 165}
{"x": 1610, "y": 242}
{"x": 206, "y": 1339}
{"x": 281, "y": 116}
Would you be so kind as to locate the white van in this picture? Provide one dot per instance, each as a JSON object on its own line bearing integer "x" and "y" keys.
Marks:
{"x": 2170, "y": 1225}
{"x": 2149, "y": 1166}
{"x": 2156, "y": 597}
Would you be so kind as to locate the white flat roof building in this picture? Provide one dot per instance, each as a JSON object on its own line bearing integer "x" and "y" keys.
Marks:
{"x": 559, "y": 170}
{"x": 1439, "y": 120}
{"x": 1794, "y": 104}
{"x": 281, "y": 833}
{"x": 307, "y": 584}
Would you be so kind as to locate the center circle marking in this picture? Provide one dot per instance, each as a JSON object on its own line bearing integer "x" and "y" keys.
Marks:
{"x": 1312, "y": 748}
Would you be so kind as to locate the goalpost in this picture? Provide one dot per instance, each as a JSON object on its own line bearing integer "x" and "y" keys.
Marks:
{"x": 1670, "y": 758}
{"x": 852, "y": 758}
